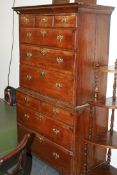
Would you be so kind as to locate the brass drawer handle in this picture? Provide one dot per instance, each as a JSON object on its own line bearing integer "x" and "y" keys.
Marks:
{"x": 29, "y": 55}
{"x": 56, "y": 111}
{"x": 55, "y": 155}
{"x": 44, "y": 20}
{"x": 60, "y": 37}
{"x": 40, "y": 117}
{"x": 64, "y": 19}
{"x": 29, "y": 77}
{"x": 26, "y": 116}
{"x": 56, "y": 131}
{"x": 26, "y": 99}
{"x": 58, "y": 85}
{"x": 43, "y": 33}
{"x": 26, "y": 20}
{"x": 41, "y": 139}
{"x": 59, "y": 60}
{"x": 29, "y": 34}
{"x": 43, "y": 52}
{"x": 42, "y": 73}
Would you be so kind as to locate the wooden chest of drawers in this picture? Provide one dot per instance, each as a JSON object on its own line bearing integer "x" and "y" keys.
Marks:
{"x": 60, "y": 46}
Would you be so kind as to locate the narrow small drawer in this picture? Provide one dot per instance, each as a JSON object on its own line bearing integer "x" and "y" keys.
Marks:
{"x": 52, "y": 58}
{"x": 49, "y": 151}
{"x": 28, "y": 101}
{"x": 31, "y": 119}
{"x": 65, "y": 21}
{"x": 27, "y": 21}
{"x": 44, "y": 21}
{"x": 57, "y": 113}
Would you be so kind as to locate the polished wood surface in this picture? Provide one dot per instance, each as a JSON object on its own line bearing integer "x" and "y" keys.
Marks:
{"x": 60, "y": 45}
{"x": 86, "y": 1}
{"x": 17, "y": 160}
{"x": 60, "y": 1}
{"x": 104, "y": 170}
{"x": 106, "y": 140}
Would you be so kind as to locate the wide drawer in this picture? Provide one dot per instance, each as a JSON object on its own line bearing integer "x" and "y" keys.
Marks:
{"x": 65, "y": 21}
{"x": 27, "y": 21}
{"x": 44, "y": 21}
{"x": 51, "y": 110}
{"x": 48, "y": 151}
{"x": 57, "y": 132}
{"x": 42, "y": 36}
{"x": 48, "y": 83}
{"x": 51, "y": 58}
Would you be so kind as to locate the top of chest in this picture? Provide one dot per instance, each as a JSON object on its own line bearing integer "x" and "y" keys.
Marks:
{"x": 63, "y": 8}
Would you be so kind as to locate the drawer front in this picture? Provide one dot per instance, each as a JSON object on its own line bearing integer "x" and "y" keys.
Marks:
{"x": 26, "y": 21}
{"x": 28, "y": 101}
{"x": 30, "y": 118}
{"x": 59, "y": 38}
{"x": 44, "y": 21}
{"x": 65, "y": 21}
{"x": 51, "y": 58}
{"x": 57, "y": 113}
{"x": 48, "y": 151}
{"x": 47, "y": 83}
{"x": 59, "y": 133}
{"x": 53, "y": 130}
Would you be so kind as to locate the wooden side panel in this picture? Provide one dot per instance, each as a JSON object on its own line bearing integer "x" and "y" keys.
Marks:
{"x": 93, "y": 49}
{"x": 93, "y": 42}
{"x": 86, "y": 57}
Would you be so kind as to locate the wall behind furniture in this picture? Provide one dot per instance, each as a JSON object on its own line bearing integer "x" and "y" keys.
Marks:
{"x": 6, "y": 41}
{"x": 6, "y": 19}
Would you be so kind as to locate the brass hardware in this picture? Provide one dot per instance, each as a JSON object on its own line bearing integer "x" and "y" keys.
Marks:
{"x": 40, "y": 117}
{"x": 58, "y": 85}
{"x": 26, "y": 116}
{"x": 56, "y": 131}
{"x": 56, "y": 111}
{"x": 43, "y": 51}
{"x": 29, "y": 34}
{"x": 60, "y": 37}
{"x": 55, "y": 155}
{"x": 29, "y": 55}
{"x": 42, "y": 73}
{"x": 26, "y": 99}
{"x": 29, "y": 77}
{"x": 41, "y": 139}
{"x": 64, "y": 20}
{"x": 59, "y": 60}
{"x": 44, "y": 20}
{"x": 26, "y": 20}
{"x": 43, "y": 33}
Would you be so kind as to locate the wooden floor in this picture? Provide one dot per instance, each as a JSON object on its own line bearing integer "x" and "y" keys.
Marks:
{"x": 40, "y": 168}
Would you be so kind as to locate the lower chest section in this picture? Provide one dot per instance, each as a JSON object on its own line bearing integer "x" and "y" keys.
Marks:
{"x": 52, "y": 126}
